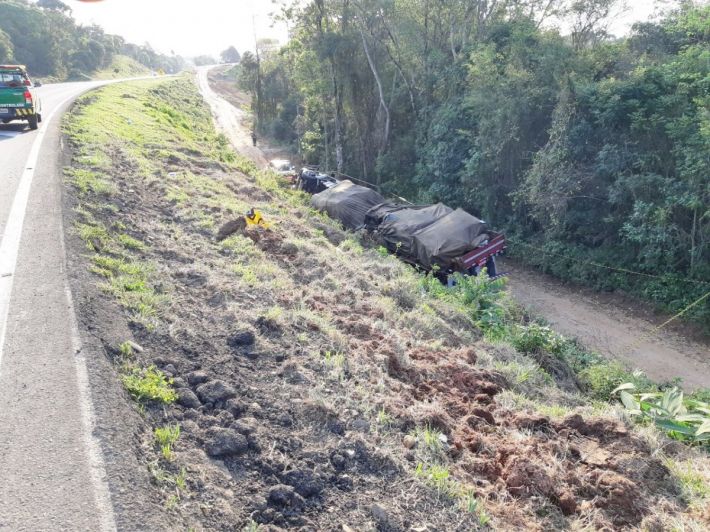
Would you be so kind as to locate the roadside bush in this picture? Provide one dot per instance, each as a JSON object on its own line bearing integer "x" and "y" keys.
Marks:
{"x": 600, "y": 380}
{"x": 682, "y": 419}
{"x": 482, "y": 298}
{"x": 534, "y": 338}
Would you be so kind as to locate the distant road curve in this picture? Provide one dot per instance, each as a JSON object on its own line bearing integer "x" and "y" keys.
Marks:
{"x": 229, "y": 119}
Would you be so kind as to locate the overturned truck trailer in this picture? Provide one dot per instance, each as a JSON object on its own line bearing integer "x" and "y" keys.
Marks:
{"x": 432, "y": 237}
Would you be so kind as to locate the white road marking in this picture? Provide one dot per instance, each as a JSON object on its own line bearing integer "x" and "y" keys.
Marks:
{"x": 9, "y": 248}
{"x": 10, "y": 243}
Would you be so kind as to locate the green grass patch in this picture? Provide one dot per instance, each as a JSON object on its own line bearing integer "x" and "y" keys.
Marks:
{"x": 694, "y": 486}
{"x": 122, "y": 66}
{"x": 130, "y": 282}
{"x": 95, "y": 236}
{"x": 89, "y": 181}
{"x": 602, "y": 378}
{"x": 439, "y": 478}
{"x": 148, "y": 384}
{"x": 129, "y": 242}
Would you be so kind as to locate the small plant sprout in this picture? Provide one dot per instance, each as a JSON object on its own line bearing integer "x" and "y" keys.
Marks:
{"x": 334, "y": 359}
{"x": 471, "y": 504}
{"x": 430, "y": 437}
{"x": 166, "y": 437}
{"x": 172, "y": 501}
{"x": 384, "y": 419}
{"x": 126, "y": 349}
{"x": 336, "y": 362}
{"x": 438, "y": 477}
{"x": 181, "y": 479}
{"x": 129, "y": 242}
{"x": 251, "y": 526}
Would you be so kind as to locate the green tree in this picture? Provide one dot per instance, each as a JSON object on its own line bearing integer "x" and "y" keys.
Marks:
{"x": 6, "y": 48}
{"x": 230, "y": 55}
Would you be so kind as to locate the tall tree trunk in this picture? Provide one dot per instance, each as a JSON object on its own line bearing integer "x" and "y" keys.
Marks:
{"x": 383, "y": 104}
{"x": 338, "y": 125}
{"x": 397, "y": 64}
{"x": 325, "y": 133}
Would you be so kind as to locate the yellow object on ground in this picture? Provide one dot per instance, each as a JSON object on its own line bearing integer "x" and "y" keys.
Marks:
{"x": 254, "y": 217}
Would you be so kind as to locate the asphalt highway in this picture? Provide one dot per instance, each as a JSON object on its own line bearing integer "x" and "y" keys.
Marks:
{"x": 51, "y": 469}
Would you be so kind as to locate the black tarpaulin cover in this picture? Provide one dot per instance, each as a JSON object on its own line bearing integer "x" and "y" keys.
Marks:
{"x": 399, "y": 224}
{"x": 347, "y": 202}
{"x": 450, "y": 237}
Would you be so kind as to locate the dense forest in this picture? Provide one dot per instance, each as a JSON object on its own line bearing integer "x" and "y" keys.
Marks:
{"x": 588, "y": 150}
{"x": 45, "y": 37}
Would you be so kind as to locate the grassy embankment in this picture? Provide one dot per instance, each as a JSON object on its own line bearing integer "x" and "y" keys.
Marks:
{"x": 155, "y": 138}
{"x": 122, "y": 67}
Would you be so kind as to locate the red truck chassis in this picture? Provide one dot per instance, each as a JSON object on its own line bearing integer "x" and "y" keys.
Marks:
{"x": 479, "y": 256}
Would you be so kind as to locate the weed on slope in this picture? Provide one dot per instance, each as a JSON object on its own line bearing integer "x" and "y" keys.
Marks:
{"x": 293, "y": 377}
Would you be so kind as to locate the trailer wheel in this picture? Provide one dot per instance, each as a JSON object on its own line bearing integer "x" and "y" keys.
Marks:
{"x": 491, "y": 266}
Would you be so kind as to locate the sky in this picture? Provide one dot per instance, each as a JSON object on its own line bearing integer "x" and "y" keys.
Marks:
{"x": 187, "y": 27}
{"x": 191, "y": 28}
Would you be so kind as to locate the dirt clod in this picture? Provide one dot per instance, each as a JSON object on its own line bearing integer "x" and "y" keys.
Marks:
{"x": 197, "y": 377}
{"x": 231, "y": 227}
{"x": 215, "y": 391}
{"x": 526, "y": 478}
{"x": 226, "y": 442}
{"x": 383, "y": 518}
{"x": 306, "y": 482}
{"x": 241, "y": 338}
{"x": 245, "y": 425}
{"x": 281, "y": 495}
{"x": 530, "y": 421}
{"x": 187, "y": 398}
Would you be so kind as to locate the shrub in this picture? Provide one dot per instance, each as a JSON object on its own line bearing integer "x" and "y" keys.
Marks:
{"x": 601, "y": 379}
{"x": 482, "y": 298}
{"x": 683, "y": 419}
{"x": 535, "y": 338}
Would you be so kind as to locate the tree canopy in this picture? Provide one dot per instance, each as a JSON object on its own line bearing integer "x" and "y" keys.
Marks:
{"x": 230, "y": 55}
{"x": 44, "y": 37}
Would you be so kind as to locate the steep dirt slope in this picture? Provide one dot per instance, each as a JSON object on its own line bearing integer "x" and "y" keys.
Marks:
{"x": 317, "y": 384}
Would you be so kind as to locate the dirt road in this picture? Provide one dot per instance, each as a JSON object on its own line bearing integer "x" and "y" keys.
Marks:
{"x": 230, "y": 120}
{"x": 613, "y": 328}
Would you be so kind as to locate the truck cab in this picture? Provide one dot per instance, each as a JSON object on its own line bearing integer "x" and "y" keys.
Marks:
{"x": 18, "y": 98}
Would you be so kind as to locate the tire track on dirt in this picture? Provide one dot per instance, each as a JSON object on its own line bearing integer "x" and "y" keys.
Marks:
{"x": 615, "y": 332}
